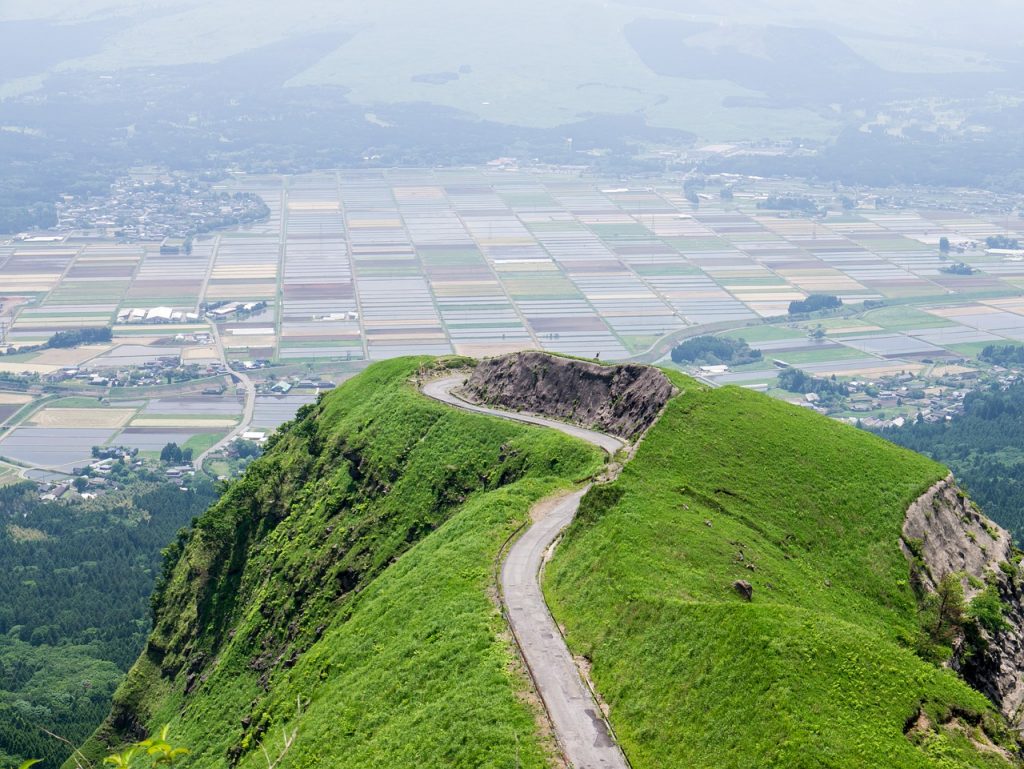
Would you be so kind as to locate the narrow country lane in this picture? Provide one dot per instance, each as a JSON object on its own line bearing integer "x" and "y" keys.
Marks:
{"x": 577, "y": 720}
{"x": 248, "y": 410}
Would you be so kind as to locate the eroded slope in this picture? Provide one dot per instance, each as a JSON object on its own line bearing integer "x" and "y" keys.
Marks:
{"x": 623, "y": 400}
{"x": 946, "y": 535}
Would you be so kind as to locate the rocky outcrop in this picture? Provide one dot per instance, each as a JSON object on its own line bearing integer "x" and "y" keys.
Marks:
{"x": 949, "y": 534}
{"x": 944, "y": 533}
{"x": 996, "y": 667}
{"x": 622, "y": 400}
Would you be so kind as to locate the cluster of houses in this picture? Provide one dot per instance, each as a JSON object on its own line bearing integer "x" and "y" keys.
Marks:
{"x": 166, "y": 368}
{"x": 92, "y": 480}
{"x": 172, "y": 207}
{"x": 180, "y": 473}
{"x": 98, "y": 478}
{"x": 935, "y": 400}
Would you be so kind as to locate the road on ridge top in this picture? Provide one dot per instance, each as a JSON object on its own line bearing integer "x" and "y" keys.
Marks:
{"x": 441, "y": 390}
{"x": 575, "y": 716}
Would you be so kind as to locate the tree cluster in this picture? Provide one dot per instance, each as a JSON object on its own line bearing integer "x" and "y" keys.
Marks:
{"x": 788, "y": 203}
{"x": 713, "y": 350}
{"x": 1007, "y": 355}
{"x": 796, "y": 381}
{"x": 815, "y": 303}
{"x": 173, "y": 454}
{"x": 1002, "y": 241}
{"x": 76, "y": 336}
{"x": 957, "y": 268}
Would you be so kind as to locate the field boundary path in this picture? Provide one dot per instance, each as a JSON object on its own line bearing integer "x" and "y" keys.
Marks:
{"x": 577, "y": 719}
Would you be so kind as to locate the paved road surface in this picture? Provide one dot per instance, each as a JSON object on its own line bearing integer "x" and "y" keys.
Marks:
{"x": 247, "y": 411}
{"x": 576, "y": 718}
{"x": 441, "y": 389}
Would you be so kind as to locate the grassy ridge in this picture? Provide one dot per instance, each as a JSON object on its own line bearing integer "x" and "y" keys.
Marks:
{"x": 817, "y": 671}
{"x": 349, "y": 570}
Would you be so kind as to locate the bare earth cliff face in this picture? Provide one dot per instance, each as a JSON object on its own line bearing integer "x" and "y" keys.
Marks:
{"x": 622, "y": 400}
{"x": 952, "y": 536}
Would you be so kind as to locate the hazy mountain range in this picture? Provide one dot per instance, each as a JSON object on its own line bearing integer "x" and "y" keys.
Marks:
{"x": 724, "y": 70}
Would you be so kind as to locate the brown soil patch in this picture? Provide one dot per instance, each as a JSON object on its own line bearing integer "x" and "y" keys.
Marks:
{"x": 82, "y": 418}
{"x": 72, "y": 356}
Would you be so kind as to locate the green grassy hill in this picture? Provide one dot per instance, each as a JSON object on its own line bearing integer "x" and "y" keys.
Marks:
{"x": 344, "y": 590}
{"x": 818, "y": 670}
{"x": 349, "y": 575}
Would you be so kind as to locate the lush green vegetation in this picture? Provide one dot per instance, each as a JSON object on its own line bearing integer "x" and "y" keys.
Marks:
{"x": 796, "y": 381}
{"x": 1008, "y": 355}
{"x": 175, "y": 454}
{"x": 74, "y": 593}
{"x": 984, "y": 447}
{"x": 715, "y": 349}
{"x": 815, "y": 303}
{"x": 819, "y": 668}
{"x": 77, "y": 336}
{"x": 341, "y": 589}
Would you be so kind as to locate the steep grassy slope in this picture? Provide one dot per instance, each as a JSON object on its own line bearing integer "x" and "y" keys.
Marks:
{"x": 347, "y": 576}
{"x": 818, "y": 669}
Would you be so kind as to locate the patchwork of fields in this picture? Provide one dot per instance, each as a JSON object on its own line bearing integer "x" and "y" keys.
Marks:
{"x": 365, "y": 265}
{"x": 357, "y": 265}
{"x": 60, "y": 433}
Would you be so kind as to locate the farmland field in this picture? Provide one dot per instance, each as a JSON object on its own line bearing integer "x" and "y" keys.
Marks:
{"x": 352, "y": 266}
{"x": 87, "y": 417}
{"x": 373, "y": 264}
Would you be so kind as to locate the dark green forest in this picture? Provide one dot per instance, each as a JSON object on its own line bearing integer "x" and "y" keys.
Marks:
{"x": 74, "y": 605}
{"x": 984, "y": 447}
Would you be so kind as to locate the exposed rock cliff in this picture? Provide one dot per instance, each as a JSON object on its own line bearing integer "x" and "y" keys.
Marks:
{"x": 952, "y": 536}
{"x": 944, "y": 533}
{"x": 996, "y": 668}
{"x": 622, "y": 400}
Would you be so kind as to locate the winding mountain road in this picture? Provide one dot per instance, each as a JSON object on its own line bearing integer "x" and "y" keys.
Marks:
{"x": 577, "y": 719}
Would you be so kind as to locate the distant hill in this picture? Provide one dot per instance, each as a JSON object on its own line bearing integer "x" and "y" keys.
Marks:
{"x": 746, "y": 69}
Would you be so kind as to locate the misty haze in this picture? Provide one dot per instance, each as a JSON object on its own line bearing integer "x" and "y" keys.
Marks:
{"x": 609, "y": 385}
